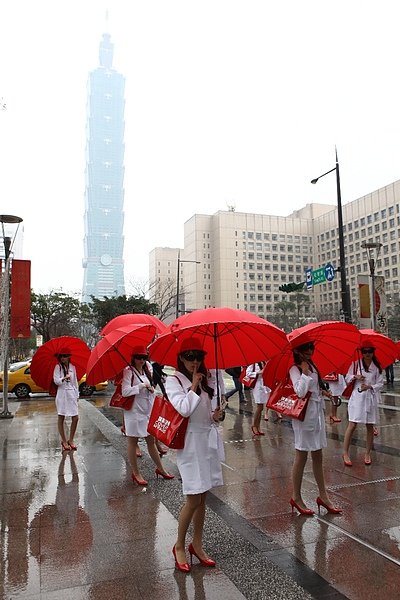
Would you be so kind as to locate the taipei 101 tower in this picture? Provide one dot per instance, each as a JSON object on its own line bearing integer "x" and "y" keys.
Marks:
{"x": 104, "y": 180}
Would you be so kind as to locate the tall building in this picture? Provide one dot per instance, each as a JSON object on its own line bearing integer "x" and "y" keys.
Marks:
{"x": 246, "y": 257}
{"x": 104, "y": 190}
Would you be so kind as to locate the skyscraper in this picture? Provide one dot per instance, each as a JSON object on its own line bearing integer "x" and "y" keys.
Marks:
{"x": 104, "y": 190}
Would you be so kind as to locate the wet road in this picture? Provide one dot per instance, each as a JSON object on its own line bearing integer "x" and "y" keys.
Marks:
{"x": 65, "y": 523}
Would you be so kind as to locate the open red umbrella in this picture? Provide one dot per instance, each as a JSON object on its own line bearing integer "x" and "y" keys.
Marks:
{"x": 230, "y": 337}
{"x": 133, "y": 319}
{"x": 335, "y": 343}
{"x": 45, "y": 358}
{"x": 386, "y": 350}
{"x": 113, "y": 352}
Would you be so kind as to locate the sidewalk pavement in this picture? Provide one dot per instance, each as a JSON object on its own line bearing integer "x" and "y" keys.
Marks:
{"x": 75, "y": 527}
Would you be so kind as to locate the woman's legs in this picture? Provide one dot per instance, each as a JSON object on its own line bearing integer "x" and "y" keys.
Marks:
{"x": 74, "y": 425}
{"x": 257, "y": 416}
{"x": 370, "y": 440}
{"x": 299, "y": 463}
{"x": 154, "y": 454}
{"x": 132, "y": 444}
{"x": 347, "y": 439}
{"x": 318, "y": 471}
{"x": 192, "y": 502}
{"x": 61, "y": 429}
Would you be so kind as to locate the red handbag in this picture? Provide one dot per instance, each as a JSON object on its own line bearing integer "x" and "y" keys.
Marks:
{"x": 117, "y": 399}
{"x": 348, "y": 390}
{"x": 331, "y": 377}
{"x": 166, "y": 424}
{"x": 248, "y": 382}
{"x": 284, "y": 400}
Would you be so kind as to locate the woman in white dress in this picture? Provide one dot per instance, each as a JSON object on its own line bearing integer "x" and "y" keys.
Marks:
{"x": 363, "y": 402}
{"x": 309, "y": 435}
{"x": 336, "y": 384}
{"x": 199, "y": 462}
{"x": 64, "y": 376}
{"x": 137, "y": 381}
{"x": 260, "y": 394}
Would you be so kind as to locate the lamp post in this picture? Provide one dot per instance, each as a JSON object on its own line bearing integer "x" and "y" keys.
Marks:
{"x": 5, "y": 307}
{"x": 370, "y": 247}
{"x": 345, "y": 293}
{"x": 197, "y": 262}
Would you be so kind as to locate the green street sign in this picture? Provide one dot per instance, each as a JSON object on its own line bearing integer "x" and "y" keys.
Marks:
{"x": 318, "y": 276}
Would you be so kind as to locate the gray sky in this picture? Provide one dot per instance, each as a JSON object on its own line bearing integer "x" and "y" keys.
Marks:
{"x": 227, "y": 102}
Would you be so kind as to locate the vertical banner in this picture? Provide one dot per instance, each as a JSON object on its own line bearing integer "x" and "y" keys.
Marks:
{"x": 364, "y": 302}
{"x": 20, "y": 299}
{"x": 380, "y": 305}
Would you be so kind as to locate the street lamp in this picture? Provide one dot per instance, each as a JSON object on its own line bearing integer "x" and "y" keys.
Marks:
{"x": 5, "y": 307}
{"x": 371, "y": 247}
{"x": 345, "y": 293}
{"x": 197, "y": 262}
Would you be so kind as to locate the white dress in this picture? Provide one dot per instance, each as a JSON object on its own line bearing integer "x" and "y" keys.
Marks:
{"x": 67, "y": 391}
{"x": 363, "y": 406}
{"x": 260, "y": 392}
{"x": 310, "y": 434}
{"x": 199, "y": 462}
{"x": 137, "y": 418}
{"x": 337, "y": 387}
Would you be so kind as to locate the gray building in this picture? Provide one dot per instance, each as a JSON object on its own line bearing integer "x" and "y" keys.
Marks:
{"x": 104, "y": 187}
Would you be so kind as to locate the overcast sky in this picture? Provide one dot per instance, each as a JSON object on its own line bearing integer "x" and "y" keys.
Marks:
{"x": 227, "y": 102}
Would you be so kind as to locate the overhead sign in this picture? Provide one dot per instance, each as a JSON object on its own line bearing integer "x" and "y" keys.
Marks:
{"x": 329, "y": 272}
{"x": 309, "y": 278}
{"x": 318, "y": 276}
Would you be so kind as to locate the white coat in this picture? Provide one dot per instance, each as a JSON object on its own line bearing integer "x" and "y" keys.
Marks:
{"x": 67, "y": 391}
{"x": 137, "y": 417}
{"x": 199, "y": 462}
{"x": 260, "y": 392}
{"x": 309, "y": 434}
{"x": 363, "y": 406}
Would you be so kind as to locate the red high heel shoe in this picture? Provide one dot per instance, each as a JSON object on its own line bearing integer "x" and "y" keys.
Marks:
{"x": 138, "y": 481}
{"x": 347, "y": 462}
{"x": 331, "y": 509}
{"x": 164, "y": 475}
{"x": 72, "y": 446}
{"x": 65, "y": 447}
{"x": 206, "y": 562}
{"x": 302, "y": 511}
{"x": 184, "y": 567}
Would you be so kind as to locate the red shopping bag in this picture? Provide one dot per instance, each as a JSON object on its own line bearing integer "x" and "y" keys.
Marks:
{"x": 284, "y": 400}
{"x": 166, "y": 424}
{"x": 117, "y": 399}
{"x": 248, "y": 382}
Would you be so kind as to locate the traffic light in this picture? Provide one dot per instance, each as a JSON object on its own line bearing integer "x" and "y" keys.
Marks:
{"x": 291, "y": 287}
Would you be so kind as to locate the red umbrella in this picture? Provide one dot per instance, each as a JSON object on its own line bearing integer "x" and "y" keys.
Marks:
{"x": 335, "y": 342}
{"x": 230, "y": 337}
{"x": 45, "y": 358}
{"x": 386, "y": 350}
{"x": 113, "y": 352}
{"x": 134, "y": 319}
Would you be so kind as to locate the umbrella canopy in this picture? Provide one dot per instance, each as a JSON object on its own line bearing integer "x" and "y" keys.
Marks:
{"x": 386, "y": 350}
{"x": 134, "y": 319}
{"x": 335, "y": 343}
{"x": 230, "y": 337}
{"x": 113, "y": 352}
{"x": 45, "y": 358}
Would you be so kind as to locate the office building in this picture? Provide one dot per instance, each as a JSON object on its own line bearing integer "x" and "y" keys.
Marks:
{"x": 246, "y": 257}
{"x": 104, "y": 187}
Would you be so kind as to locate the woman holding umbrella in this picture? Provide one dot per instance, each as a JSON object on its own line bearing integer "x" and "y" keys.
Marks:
{"x": 199, "y": 462}
{"x": 65, "y": 378}
{"x": 363, "y": 402}
{"x": 137, "y": 381}
{"x": 309, "y": 435}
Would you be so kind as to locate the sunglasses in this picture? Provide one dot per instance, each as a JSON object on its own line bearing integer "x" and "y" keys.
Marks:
{"x": 192, "y": 355}
{"x": 305, "y": 347}
{"x": 140, "y": 357}
{"x": 367, "y": 350}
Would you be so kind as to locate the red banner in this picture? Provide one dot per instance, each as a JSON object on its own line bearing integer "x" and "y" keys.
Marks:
{"x": 20, "y": 299}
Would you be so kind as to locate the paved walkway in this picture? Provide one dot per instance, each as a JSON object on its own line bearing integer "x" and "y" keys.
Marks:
{"x": 74, "y": 526}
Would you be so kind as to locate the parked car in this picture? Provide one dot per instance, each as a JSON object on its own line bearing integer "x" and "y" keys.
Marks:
{"x": 21, "y": 383}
